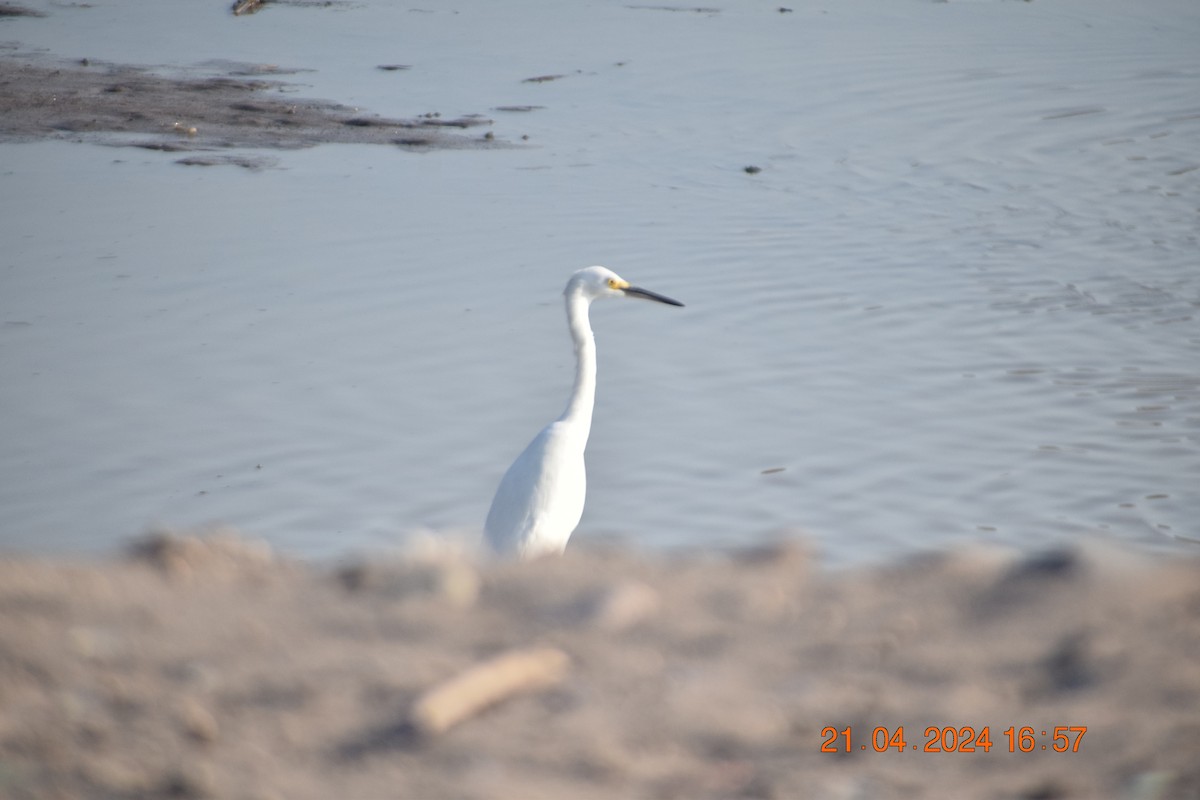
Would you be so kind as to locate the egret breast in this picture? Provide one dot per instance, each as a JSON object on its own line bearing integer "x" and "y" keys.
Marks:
{"x": 540, "y": 499}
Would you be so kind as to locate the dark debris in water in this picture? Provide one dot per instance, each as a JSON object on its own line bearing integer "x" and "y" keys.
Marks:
{"x": 241, "y": 8}
{"x": 684, "y": 9}
{"x": 252, "y": 163}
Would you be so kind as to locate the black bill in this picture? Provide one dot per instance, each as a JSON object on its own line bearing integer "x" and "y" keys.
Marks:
{"x": 634, "y": 291}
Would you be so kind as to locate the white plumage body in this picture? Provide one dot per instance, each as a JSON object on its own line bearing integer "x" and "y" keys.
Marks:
{"x": 540, "y": 498}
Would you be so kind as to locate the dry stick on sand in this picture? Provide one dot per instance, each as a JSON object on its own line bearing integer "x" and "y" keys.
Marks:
{"x": 486, "y": 684}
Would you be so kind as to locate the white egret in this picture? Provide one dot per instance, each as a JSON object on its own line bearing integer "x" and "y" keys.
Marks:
{"x": 540, "y": 498}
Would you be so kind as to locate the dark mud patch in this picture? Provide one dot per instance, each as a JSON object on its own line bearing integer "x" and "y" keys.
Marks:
{"x": 9, "y": 10}
{"x": 241, "y": 107}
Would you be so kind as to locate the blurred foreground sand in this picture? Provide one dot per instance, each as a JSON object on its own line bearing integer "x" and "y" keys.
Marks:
{"x": 207, "y": 667}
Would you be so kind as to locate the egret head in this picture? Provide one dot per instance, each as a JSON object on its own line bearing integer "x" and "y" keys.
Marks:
{"x": 595, "y": 282}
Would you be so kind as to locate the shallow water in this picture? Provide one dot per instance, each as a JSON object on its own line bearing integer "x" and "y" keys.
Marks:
{"x": 958, "y": 302}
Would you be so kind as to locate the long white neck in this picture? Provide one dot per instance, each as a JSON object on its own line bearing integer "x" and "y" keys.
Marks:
{"x": 583, "y": 395}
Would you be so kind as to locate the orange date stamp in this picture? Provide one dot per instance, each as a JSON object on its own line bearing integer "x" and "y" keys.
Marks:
{"x": 951, "y": 739}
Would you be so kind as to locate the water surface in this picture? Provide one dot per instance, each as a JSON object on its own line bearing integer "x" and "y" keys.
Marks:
{"x": 956, "y": 304}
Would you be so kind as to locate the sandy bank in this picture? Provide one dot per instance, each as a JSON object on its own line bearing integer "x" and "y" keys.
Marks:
{"x": 211, "y": 668}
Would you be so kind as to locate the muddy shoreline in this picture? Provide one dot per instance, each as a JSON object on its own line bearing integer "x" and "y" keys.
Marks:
{"x": 243, "y": 106}
{"x": 210, "y": 667}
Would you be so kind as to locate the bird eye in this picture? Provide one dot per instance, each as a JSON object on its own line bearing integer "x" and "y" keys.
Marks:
{"x": 612, "y": 283}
